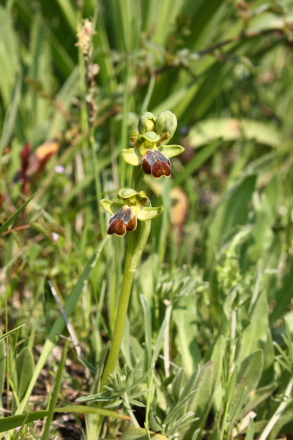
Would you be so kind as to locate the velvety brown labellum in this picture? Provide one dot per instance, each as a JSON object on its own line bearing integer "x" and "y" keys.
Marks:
{"x": 156, "y": 163}
{"x": 117, "y": 227}
{"x": 124, "y": 219}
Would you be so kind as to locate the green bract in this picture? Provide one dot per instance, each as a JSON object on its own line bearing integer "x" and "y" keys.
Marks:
{"x": 125, "y": 213}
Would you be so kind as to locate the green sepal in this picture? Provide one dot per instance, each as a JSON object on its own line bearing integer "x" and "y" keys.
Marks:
{"x": 132, "y": 156}
{"x": 171, "y": 150}
{"x": 148, "y": 213}
{"x": 151, "y": 136}
{"x": 127, "y": 193}
{"x": 111, "y": 207}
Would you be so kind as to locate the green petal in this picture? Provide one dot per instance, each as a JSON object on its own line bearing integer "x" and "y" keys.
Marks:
{"x": 111, "y": 207}
{"x": 132, "y": 156}
{"x": 149, "y": 213}
{"x": 126, "y": 193}
{"x": 151, "y": 136}
{"x": 171, "y": 150}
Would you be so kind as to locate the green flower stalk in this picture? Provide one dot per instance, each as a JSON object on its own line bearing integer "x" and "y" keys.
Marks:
{"x": 151, "y": 150}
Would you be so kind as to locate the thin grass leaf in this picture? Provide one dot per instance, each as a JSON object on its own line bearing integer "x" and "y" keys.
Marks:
{"x": 196, "y": 434}
{"x": 181, "y": 424}
{"x": 54, "y": 397}
{"x": 147, "y": 331}
{"x": 180, "y": 405}
{"x": 250, "y": 430}
{"x": 2, "y": 364}
{"x": 200, "y": 158}
{"x": 12, "y": 422}
{"x": 11, "y": 220}
{"x": 11, "y": 331}
{"x": 10, "y": 117}
{"x": 141, "y": 434}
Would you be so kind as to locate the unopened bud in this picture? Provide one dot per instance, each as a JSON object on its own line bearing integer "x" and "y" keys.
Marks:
{"x": 147, "y": 122}
{"x": 166, "y": 123}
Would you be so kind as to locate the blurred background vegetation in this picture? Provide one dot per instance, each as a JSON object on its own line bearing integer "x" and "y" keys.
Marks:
{"x": 219, "y": 263}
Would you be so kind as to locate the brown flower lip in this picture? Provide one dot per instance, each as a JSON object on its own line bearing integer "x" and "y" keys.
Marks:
{"x": 156, "y": 163}
{"x": 124, "y": 220}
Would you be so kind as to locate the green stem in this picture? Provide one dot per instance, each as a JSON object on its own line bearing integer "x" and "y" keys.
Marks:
{"x": 135, "y": 249}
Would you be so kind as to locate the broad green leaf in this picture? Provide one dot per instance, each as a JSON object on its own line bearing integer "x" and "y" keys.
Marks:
{"x": 217, "y": 357}
{"x": 255, "y": 334}
{"x": 284, "y": 295}
{"x": 148, "y": 213}
{"x": 11, "y": 220}
{"x": 141, "y": 434}
{"x": 231, "y": 212}
{"x": 201, "y": 401}
{"x": 25, "y": 370}
{"x": 231, "y": 129}
{"x": 250, "y": 372}
{"x": 184, "y": 315}
{"x": 257, "y": 397}
{"x": 178, "y": 383}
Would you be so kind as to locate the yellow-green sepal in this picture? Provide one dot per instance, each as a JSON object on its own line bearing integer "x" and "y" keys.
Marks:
{"x": 149, "y": 213}
{"x": 132, "y": 156}
{"x": 111, "y": 207}
{"x": 171, "y": 150}
{"x": 129, "y": 193}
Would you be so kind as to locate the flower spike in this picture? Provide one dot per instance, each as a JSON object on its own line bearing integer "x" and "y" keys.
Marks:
{"x": 151, "y": 150}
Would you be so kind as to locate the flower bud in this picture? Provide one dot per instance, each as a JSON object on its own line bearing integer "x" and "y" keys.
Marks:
{"x": 147, "y": 122}
{"x": 166, "y": 123}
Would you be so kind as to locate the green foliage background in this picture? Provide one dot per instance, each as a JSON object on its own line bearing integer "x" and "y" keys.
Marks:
{"x": 215, "y": 286}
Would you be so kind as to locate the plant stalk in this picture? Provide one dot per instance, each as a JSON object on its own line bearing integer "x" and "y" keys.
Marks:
{"x": 136, "y": 245}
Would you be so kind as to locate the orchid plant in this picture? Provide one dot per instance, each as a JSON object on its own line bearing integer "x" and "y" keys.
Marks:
{"x": 152, "y": 152}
